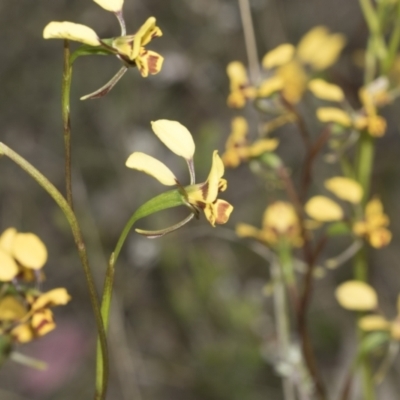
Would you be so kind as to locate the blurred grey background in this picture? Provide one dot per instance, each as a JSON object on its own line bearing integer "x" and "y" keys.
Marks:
{"x": 189, "y": 318}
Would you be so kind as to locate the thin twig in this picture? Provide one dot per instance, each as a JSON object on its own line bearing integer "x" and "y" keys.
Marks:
{"x": 65, "y": 107}
{"x": 310, "y": 158}
{"x": 250, "y": 41}
{"x": 305, "y": 135}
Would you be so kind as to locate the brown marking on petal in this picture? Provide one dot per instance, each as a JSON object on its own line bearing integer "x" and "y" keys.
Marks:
{"x": 152, "y": 62}
{"x": 38, "y": 328}
{"x": 222, "y": 216}
{"x": 204, "y": 190}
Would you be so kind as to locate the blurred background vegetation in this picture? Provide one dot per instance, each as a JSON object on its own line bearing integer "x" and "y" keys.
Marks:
{"x": 189, "y": 320}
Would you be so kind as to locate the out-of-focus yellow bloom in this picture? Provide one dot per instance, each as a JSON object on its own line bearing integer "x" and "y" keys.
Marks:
{"x": 240, "y": 88}
{"x": 325, "y": 90}
{"x": 367, "y": 118}
{"x": 370, "y": 120}
{"x": 345, "y": 188}
{"x": 375, "y": 322}
{"x": 356, "y": 296}
{"x": 333, "y": 114}
{"x": 18, "y": 252}
{"x": 131, "y": 49}
{"x": 201, "y": 196}
{"x": 374, "y": 225}
{"x": 280, "y": 222}
{"x": 31, "y": 318}
{"x": 237, "y": 149}
{"x": 317, "y": 50}
{"x": 323, "y": 209}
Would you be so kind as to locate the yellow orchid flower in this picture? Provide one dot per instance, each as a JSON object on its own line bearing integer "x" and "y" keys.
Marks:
{"x": 31, "y": 318}
{"x": 20, "y": 252}
{"x": 323, "y": 209}
{"x": 374, "y": 225}
{"x": 345, "y": 188}
{"x": 371, "y": 96}
{"x": 237, "y": 149}
{"x": 201, "y": 196}
{"x": 292, "y": 67}
{"x": 240, "y": 88}
{"x": 280, "y": 222}
{"x": 376, "y": 322}
{"x": 130, "y": 49}
{"x": 356, "y": 296}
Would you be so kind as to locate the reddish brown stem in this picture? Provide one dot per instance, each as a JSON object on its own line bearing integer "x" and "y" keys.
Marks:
{"x": 309, "y": 255}
{"x": 299, "y": 121}
{"x": 310, "y": 158}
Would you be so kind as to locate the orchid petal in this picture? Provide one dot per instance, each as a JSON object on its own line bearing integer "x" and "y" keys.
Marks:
{"x": 175, "y": 136}
{"x": 153, "y": 167}
{"x": 111, "y": 5}
{"x": 71, "y": 31}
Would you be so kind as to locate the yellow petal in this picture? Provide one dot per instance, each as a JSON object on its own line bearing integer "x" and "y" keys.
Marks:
{"x": 323, "y": 209}
{"x": 8, "y": 267}
{"x": 29, "y": 250}
{"x": 42, "y": 322}
{"x": 236, "y": 99}
{"x": 311, "y": 42}
{"x": 329, "y": 53}
{"x": 71, "y": 31}
{"x": 110, "y": 5}
{"x": 332, "y": 114}
{"x": 218, "y": 212}
{"x": 7, "y": 239}
{"x": 278, "y": 56}
{"x": 149, "y": 62}
{"x": 143, "y": 36}
{"x": 216, "y": 173}
{"x": 11, "y": 309}
{"x": 240, "y": 129}
{"x": 357, "y": 296}
{"x": 376, "y": 126}
{"x": 149, "y": 31}
{"x": 294, "y": 81}
{"x": 373, "y": 323}
{"x": 54, "y": 297}
{"x": 319, "y": 48}
{"x": 23, "y": 333}
{"x": 175, "y": 136}
{"x": 345, "y": 188}
{"x": 262, "y": 146}
{"x": 237, "y": 74}
{"x": 281, "y": 217}
{"x": 245, "y": 230}
{"x": 373, "y": 208}
{"x": 231, "y": 158}
{"x": 379, "y": 238}
{"x": 395, "y": 330}
{"x": 270, "y": 86}
{"x": 153, "y": 167}
{"x": 325, "y": 90}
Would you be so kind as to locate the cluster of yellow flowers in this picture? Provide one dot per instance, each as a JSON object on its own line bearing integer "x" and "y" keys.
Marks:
{"x": 373, "y": 222}
{"x": 291, "y": 72}
{"x": 24, "y": 311}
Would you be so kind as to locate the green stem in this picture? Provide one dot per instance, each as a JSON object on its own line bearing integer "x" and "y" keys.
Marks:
{"x": 169, "y": 199}
{"x": 65, "y": 107}
{"x": 79, "y": 242}
{"x": 365, "y": 159}
{"x": 394, "y": 44}
{"x": 282, "y": 318}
